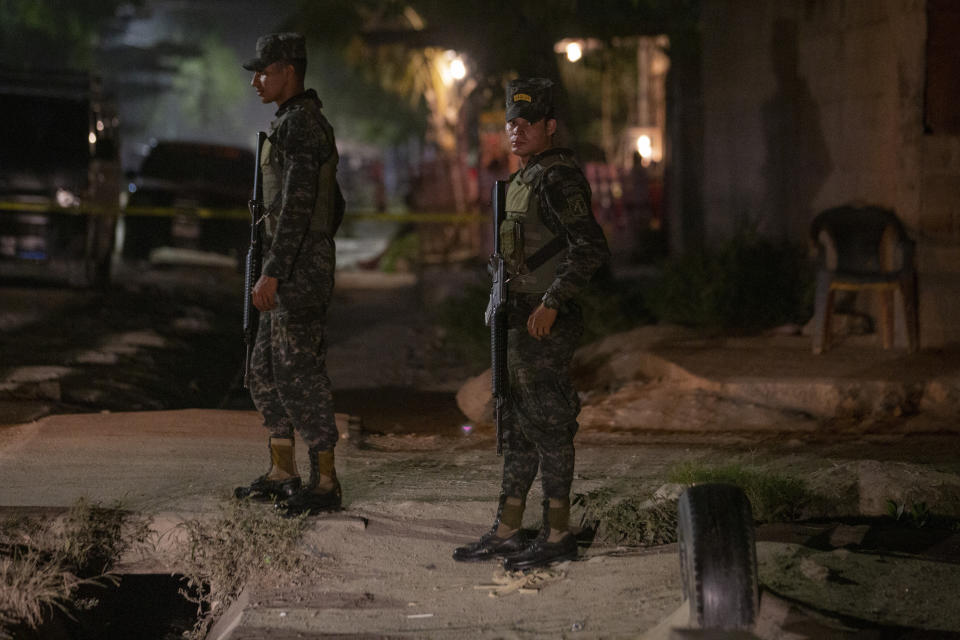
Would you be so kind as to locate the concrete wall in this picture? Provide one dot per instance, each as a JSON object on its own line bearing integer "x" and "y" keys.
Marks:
{"x": 813, "y": 104}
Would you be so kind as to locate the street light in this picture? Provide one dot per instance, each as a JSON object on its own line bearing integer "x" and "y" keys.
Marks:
{"x": 647, "y": 142}
{"x": 452, "y": 67}
{"x": 645, "y": 148}
{"x": 458, "y": 69}
{"x": 575, "y": 48}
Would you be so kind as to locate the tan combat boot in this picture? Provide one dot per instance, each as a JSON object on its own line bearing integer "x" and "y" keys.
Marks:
{"x": 281, "y": 481}
{"x": 322, "y": 492}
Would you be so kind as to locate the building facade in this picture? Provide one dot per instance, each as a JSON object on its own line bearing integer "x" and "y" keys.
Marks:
{"x": 813, "y": 104}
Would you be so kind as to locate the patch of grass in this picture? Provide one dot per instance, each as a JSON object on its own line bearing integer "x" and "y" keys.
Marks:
{"x": 748, "y": 283}
{"x": 631, "y": 520}
{"x": 223, "y": 555}
{"x": 44, "y": 561}
{"x": 773, "y": 497}
{"x": 639, "y": 520}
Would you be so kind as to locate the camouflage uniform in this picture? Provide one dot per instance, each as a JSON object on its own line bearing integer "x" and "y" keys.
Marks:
{"x": 551, "y": 246}
{"x": 289, "y": 382}
{"x": 540, "y": 420}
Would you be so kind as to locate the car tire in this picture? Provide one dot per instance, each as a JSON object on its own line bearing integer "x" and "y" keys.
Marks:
{"x": 718, "y": 559}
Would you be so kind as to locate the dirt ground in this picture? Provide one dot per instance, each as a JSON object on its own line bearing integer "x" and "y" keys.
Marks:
{"x": 420, "y": 485}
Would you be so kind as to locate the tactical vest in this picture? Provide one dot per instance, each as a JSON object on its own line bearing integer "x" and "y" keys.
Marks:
{"x": 325, "y": 210}
{"x": 523, "y": 233}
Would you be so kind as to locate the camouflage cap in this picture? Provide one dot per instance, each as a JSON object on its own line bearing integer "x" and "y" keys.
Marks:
{"x": 274, "y": 47}
{"x": 530, "y": 99}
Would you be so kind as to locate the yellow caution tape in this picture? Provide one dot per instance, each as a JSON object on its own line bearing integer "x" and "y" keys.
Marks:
{"x": 236, "y": 213}
{"x": 39, "y": 207}
{"x": 445, "y": 218}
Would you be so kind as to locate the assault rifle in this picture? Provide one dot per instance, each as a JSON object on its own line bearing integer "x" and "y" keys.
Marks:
{"x": 253, "y": 261}
{"x": 496, "y": 314}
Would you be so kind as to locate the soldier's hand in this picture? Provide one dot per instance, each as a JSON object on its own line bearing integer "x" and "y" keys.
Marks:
{"x": 540, "y": 321}
{"x": 264, "y": 293}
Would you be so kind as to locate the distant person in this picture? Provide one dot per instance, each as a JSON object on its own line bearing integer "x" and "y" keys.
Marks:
{"x": 548, "y": 198}
{"x": 288, "y": 376}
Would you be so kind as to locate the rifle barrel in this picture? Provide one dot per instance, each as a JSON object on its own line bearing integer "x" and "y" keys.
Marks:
{"x": 252, "y": 262}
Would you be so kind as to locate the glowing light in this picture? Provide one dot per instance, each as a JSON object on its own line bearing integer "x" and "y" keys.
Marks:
{"x": 645, "y": 147}
{"x": 574, "y": 51}
{"x": 99, "y": 125}
{"x": 66, "y": 198}
{"x": 92, "y": 138}
{"x": 453, "y": 68}
{"x": 467, "y": 428}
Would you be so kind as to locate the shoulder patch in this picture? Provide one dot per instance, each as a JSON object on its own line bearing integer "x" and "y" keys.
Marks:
{"x": 576, "y": 209}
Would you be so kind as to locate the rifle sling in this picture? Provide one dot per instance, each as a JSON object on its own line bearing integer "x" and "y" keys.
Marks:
{"x": 545, "y": 253}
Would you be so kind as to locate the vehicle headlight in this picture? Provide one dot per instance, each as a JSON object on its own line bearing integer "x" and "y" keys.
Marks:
{"x": 66, "y": 198}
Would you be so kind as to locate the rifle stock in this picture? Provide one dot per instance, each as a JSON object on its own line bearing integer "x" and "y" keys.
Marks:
{"x": 496, "y": 316}
{"x": 253, "y": 261}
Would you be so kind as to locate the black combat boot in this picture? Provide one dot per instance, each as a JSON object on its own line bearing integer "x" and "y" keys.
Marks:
{"x": 492, "y": 546}
{"x": 281, "y": 481}
{"x": 542, "y": 551}
{"x": 322, "y": 492}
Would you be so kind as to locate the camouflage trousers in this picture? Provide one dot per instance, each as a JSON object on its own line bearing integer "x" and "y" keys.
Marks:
{"x": 288, "y": 377}
{"x": 540, "y": 417}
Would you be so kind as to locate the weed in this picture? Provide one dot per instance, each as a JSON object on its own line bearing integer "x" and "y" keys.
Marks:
{"x": 93, "y": 537}
{"x": 773, "y": 497}
{"x": 31, "y": 585}
{"x": 221, "y": 556}
{"x": 44, "y": 561}
{"x": 632, "y": 520}
{"x": 918, "y": 515}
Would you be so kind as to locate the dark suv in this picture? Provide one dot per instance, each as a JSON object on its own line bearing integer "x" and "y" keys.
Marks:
{"x": 189, "y": 195}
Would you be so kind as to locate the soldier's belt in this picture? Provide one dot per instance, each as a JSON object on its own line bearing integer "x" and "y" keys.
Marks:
{"x": 518, "y": 300}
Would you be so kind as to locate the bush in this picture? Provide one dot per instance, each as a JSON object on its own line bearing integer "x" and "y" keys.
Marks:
{"x": 747, "y": 283}
{"x": 461, "y": 318}
{"x": 402, "y": 253}
{"x": 611, "y": 305}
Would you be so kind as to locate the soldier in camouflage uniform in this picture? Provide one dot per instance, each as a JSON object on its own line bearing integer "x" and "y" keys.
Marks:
{"x": 288, "y": 378}
{"x": 547, "y": 205}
